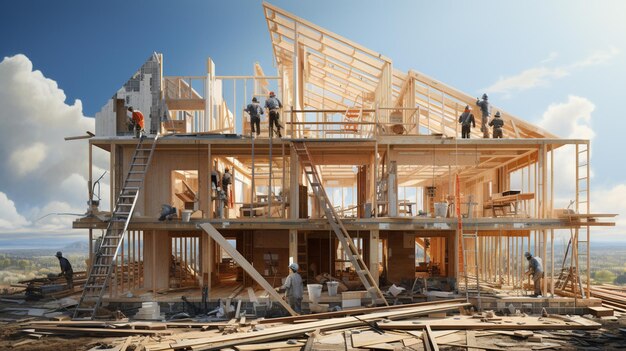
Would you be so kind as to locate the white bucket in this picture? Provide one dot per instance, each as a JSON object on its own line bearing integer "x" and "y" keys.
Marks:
{"x": 332, "y": 288}
{"x": 315, "y": 291}
{"x": 441, "y": 208}
{"x": 187, "y": 215}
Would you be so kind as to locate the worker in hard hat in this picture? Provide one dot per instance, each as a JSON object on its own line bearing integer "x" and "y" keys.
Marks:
{"x": 293, "y": 288}
{"x": 485, "y": 108}
{"x": 497, "y": 123}
{"x": 273, "y": 105}
{"x": 66, "y": 270}
{"x": 467, "y": 122}
{"x": 137, "y": 122}
{"x": 227, "y": 179}
{"x": 535, "y": 268}
{"x": 255, "y": 111}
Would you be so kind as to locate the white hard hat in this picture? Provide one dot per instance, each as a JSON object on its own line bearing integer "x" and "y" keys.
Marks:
{"x": 294, "y": 266}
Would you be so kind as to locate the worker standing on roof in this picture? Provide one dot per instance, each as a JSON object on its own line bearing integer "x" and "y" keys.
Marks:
{"x": 66, "y": 270}
{"x": 486, "y": 112}
{"x": 137, "y": 121}
{"x": 293, "y": 288}
{"x": 497, "y": 123}
{"x": 467, "y": 122}
{"x": 535, "y": 267}
{"x": 273, "y": 105}
{"x": 255, "y": 111}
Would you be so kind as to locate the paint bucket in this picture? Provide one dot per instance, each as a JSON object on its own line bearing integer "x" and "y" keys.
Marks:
{"x": 187, "y": 215}
{"x": 332, "y": 288}
{"x": 441, "y": 209}
{"x": 315, "y": 291}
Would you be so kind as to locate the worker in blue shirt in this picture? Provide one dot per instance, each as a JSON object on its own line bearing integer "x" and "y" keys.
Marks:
{"x": 255, "y": 111}
{"x": 273, "y": 105}
{"x": 535, "y": 268}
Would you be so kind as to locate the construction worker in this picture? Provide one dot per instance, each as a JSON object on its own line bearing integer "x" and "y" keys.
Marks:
{"x": 486, "y": 112}
{"x": 535, "y": 268}
{"x": 137, "y": 121}
{"x": 273, "y": 104}
{"x": 226, "y": 181}
{"x": 497, "y": 123}
{"x": 293, "y": 288}
{"x": 467, "y": 122}
{"x": 66, "y": 270}
{"x": 255, "y": 111}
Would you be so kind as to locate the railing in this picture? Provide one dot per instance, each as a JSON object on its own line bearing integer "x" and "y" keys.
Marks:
{"x": 367, "y": 123}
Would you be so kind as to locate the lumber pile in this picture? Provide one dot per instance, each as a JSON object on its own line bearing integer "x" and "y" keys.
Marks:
{"x": 383, "y": 328}
{"x": 52, "y": 286}
{"x": 613, "y": 298}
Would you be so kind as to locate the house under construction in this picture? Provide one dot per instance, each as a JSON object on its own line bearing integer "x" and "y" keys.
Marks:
{"x": 370, "y": 184}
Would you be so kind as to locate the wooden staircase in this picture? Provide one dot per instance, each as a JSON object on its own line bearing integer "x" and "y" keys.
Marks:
{"x": 335, "y": 222}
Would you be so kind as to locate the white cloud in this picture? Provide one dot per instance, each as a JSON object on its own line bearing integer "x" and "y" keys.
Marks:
{"x": 572, "y": 119}
{"x": 40, "y": 172}
{"x": 543, "y": 75}
{"x": 9, "y": 218}
{"x": 27, "y": 160}
{"x": 610, "y": 200}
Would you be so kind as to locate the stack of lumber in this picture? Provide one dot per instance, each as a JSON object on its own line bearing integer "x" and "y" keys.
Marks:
{"x": 53, "y": 286}
{"x": 394, "y": 327}
{"x": 611, "y": 297}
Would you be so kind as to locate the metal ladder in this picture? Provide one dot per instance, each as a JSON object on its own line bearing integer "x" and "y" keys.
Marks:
{"x": 466, "y": 266}
{"x": 335, "y": 222}
{"x": 104, "y": 258}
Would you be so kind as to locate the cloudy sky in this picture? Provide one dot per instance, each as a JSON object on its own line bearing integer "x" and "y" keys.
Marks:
{"x": 559, "y": 64}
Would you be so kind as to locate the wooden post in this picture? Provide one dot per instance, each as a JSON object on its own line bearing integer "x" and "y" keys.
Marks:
{"x": 373, "y": 254}
{"x": 293, "y": 248}
{"x": 294, "y": 185}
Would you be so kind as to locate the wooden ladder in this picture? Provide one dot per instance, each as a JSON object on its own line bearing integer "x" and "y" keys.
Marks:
{"x": 106, "y": 254}
{"x": 466, "y": 266}
{"x": 335, "y": 222}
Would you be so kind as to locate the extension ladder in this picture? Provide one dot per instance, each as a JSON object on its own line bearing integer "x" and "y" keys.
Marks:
{"x": 335, "y": 222}
{"x": 466, "y": 257}
{"x": 106, "y": 254}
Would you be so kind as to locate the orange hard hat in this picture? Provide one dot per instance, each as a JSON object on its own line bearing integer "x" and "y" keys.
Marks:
{"x": 272, "y": 93}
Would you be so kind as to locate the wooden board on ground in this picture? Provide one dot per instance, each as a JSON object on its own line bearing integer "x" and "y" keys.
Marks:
{"x": 247, "y": 267}
{"x": 507, "y": 323}
{"x": 269, "y": 346}
{"x": 370, "y": 338}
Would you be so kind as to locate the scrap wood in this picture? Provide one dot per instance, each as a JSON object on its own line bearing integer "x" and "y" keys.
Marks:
{"x": 270, "y": 345}
{"x": 311, "y": 340}
{"x": 358, "y": 311}
{"x": 429, "y": 340}
{"x": 370, "y": 338}
{"x": 98, "y": 331}
{"x": 488, "y": 348}
{"x": 511, "y": 323}
{"x": 284, "y": 331}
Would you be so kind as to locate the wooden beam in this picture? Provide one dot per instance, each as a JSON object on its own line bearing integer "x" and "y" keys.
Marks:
{"x": 247, "y": 267}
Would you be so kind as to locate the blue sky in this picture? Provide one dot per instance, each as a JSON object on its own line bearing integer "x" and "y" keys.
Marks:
{"x": 528, "y": 55}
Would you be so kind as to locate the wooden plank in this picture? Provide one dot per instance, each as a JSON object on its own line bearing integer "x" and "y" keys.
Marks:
{"x": 100, "y": 331}
{"x": 370, "y": 338}
{"x": 507, "y": 323}
{"x": 429, "y": 339}
{"x": 470, "y": 336}
{"x": 269, "y": 346}
{"x": 247, "y": 267}
{"x": 358, "y": 311}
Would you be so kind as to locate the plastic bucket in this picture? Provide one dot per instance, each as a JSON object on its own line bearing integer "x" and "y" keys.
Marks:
{"x": 332, "y": 288}
{"x": 315, "y": 291}
{"x": 186, "y": 215}
{"x": 441, "y": 208}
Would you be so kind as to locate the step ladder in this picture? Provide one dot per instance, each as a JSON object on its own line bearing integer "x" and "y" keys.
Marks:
{"x": 106, "y": 254}
{"x": 468, "y": 251}
{"x": 335, "y": 222}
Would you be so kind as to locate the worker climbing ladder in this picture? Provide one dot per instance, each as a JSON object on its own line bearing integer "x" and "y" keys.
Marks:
{"x": 106, "y": 254}
{"x": 335, "y": 222}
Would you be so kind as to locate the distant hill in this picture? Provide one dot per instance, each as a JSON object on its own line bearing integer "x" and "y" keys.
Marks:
{"x": 77, "y": 246}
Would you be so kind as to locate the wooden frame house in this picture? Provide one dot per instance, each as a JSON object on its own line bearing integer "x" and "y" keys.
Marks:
{"x": 416, "y": 200}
